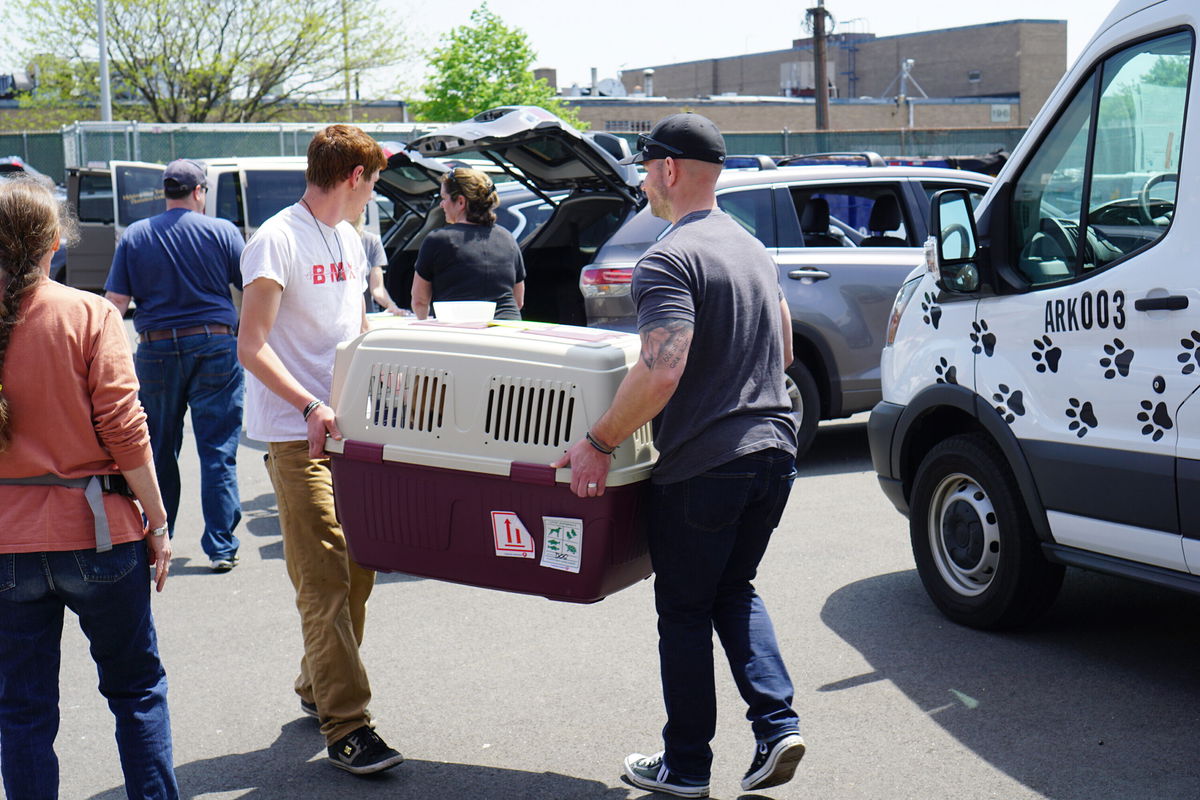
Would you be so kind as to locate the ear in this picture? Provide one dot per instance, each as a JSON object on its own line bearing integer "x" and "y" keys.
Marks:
{"x": 57, "y": 243}
{"x": 356, "y": 174}
{"x": 670, "y": 171}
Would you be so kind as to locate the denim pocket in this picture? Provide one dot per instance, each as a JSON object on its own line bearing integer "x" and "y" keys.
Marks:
{"x": 8, "y": 571}
{"x": 108, "y": 567}
{"x": 716, "y": 500}
{"x": 218, "y": 371}
{"x": 150, "y": 372}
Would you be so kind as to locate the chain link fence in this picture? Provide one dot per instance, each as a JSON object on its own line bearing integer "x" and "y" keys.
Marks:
{"x": 96, "y": 143}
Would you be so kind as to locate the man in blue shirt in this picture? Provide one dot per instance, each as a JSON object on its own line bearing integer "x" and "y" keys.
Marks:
{"x": 178, "y": 266}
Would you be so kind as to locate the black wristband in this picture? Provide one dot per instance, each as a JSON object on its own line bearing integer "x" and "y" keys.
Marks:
{"x": 308, "y": 409}
{"x": 596, "y": 444}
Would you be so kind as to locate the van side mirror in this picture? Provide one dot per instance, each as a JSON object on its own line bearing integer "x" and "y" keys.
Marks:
{"x": 955, "y": 241}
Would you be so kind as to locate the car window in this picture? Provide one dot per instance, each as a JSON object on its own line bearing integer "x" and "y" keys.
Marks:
{"x": 523, "y": 219}
{"x": 1125, "y": 162}
{"x": 270, "y": 190}
{"x": 753, "y": 210}
{"x": 229, "y": 199}
{"x": 95, "y": 199}
{"x": 849, "y": 215}
{"x": 141, "y": 193}
{"x": 975, "y": 192}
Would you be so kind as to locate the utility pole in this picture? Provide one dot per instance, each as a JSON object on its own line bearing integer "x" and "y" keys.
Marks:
{"x": 105, "y": 84}
{"x": 346, "y": 61}
{"x": 816, "y": 17}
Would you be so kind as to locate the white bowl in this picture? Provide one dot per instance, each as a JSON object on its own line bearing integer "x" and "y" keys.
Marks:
{"x": 464, "y": 311}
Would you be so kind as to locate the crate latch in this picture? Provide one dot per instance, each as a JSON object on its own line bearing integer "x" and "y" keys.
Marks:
{"x": 526, "y": 472}
{"x": 363, "y": 451}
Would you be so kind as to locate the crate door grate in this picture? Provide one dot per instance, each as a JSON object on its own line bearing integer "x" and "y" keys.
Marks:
{"x": 530, "y": 411}
{"x": 409, "y": 398}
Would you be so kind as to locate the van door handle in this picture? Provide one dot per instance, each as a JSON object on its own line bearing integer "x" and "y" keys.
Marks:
{"x": 1173, "y": 302}
{"x": 812, "y": 273}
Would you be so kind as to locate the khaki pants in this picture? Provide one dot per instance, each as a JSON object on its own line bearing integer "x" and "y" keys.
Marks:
{"x": 331, "y": 590}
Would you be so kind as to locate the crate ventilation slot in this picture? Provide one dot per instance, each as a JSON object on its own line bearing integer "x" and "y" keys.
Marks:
{"x": 530, "y": 411}
{"x": 409, "y": 398}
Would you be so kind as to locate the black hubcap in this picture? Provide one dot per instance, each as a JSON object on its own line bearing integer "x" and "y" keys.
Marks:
{"x": 962, "y": 532}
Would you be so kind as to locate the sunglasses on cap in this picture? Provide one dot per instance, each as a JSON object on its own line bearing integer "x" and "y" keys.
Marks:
{"x": 645, "y": 140}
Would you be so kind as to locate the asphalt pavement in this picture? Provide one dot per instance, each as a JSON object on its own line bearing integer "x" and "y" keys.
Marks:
{"x": 496, "y": 696}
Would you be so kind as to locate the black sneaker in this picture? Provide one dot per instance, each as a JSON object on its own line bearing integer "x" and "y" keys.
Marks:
{"x": 362, "y": 752}
{"x": 309, "y": 708}
{"x": 651, "y": 774}
{"x": 774, "y": 762}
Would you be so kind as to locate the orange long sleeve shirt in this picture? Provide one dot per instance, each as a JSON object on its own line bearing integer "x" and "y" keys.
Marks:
{"x": 73, "y": 405}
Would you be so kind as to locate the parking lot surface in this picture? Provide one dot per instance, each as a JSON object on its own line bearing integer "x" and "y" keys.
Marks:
{"x": 497, "y": 696}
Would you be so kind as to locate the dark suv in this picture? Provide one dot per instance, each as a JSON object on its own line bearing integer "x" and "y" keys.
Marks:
{"x": 844, "y": 237}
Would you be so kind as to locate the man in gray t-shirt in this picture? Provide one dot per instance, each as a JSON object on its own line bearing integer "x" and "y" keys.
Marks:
{"x": 715, "y": 342}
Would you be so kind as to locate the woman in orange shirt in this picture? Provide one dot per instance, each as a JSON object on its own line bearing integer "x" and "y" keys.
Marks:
{"x": 74, "y": 447}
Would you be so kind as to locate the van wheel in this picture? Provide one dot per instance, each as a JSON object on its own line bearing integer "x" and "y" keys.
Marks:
{"x": 806, "y": 405}
{"x": 975, "y": 549}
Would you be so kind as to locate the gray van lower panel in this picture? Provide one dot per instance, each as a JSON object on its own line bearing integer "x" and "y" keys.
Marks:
{"x": 1112, "y": 485}
{"x": 1126, "y": 569}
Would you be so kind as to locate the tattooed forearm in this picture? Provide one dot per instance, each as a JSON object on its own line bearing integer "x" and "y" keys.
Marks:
{"x": 666, "y": 344}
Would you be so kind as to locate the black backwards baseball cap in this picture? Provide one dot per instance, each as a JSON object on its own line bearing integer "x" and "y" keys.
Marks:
{"x": 184, "y": 175}
{"x": 681, "y": 136}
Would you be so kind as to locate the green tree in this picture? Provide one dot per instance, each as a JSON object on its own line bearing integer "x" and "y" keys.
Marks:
{"x": 206, "y": 60}
{"x": 482, "y": 65}
{"x": 1169, "y": 71}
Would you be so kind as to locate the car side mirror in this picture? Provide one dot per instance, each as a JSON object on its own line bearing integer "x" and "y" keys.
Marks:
{"x": 955, "y": 241}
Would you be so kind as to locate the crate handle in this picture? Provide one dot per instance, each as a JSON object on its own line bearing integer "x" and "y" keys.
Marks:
{"x": 527, "y": 472}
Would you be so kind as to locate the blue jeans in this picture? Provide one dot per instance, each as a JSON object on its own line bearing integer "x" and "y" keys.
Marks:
{"x": 201, "y": 372}
{"x": 707, "y": 536}
{"x": 110, "y": 593}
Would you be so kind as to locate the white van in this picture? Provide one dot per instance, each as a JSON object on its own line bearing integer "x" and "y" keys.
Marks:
{"x": 245, "y": 191}
{"x": 1039, "y": 376}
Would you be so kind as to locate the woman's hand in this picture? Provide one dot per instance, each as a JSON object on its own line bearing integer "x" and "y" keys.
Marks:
{"x": 159, "y": 551}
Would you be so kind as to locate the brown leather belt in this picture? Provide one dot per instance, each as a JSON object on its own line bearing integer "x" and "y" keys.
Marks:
{"x": 179, "y": 333}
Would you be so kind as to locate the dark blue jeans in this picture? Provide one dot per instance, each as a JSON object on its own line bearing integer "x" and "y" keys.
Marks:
{"x": 200, "y": 372}
{"x": 110, "y": 593}
{"x": 707, "y": 537}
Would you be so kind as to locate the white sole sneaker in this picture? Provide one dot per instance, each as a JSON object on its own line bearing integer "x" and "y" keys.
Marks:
{"x": 779, "y": 763}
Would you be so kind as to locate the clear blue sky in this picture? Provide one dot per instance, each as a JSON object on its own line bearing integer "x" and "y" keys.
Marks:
{"x": 575, "y": 36}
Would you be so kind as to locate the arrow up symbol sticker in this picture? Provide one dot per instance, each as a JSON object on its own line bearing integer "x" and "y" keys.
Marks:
{"x": 511, "y": 536}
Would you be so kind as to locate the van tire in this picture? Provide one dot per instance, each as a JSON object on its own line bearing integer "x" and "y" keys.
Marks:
{"x": 974, "y": 546}
{"x": 806, "y": 405}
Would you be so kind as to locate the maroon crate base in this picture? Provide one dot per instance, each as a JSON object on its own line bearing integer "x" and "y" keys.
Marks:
{"x": 436, "y": 523}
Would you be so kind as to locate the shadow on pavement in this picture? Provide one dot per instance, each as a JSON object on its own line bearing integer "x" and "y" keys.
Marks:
{"x": 1097, "y": 700}
{"x": 838, "y": 448}
{"x": 285, "y": 771}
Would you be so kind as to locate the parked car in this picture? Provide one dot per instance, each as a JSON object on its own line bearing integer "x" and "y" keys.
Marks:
{"x": 1039, "y": 379}
{"x": 245, "y": 191}
{"x": 567, "y": 196}
{"x": 844, "y": 237}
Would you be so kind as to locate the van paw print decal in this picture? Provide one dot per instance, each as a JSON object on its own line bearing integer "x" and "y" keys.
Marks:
{"x": 931, "y": 310}
{"x": 946, "y": 372}
{"x": 1045, "y": 354}
{"x": 1083, "y": 417}
{"x": 1157, "y": 419}
{"x": 984, "y": 340}
{"x": 1190, "y": 356}
{"x": 1117, "y": 360}
{"x": 1159, "y": 385}
{"x": 1015, "y": 403}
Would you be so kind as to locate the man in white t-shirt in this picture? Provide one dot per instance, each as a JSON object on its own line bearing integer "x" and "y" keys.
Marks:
{"x": 304, "y": 273}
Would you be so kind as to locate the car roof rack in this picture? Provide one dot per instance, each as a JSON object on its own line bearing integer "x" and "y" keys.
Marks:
{"x": 865, "y": 158}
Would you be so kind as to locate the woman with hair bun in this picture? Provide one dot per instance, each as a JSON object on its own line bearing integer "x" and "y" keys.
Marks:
{"x": 74, "y": 450}
{"x": 472, "y": 258}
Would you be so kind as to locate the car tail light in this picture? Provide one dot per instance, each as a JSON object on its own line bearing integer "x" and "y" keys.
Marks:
{"x": 605, "y": 281}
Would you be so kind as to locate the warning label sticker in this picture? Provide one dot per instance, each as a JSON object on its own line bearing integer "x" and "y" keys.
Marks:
{"x": 512, "y": 537}
{"x": 562, "y": 543}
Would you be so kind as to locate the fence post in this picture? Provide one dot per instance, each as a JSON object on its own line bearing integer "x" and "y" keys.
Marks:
{"x": 25, "y": 144}
{"x": 137, "y": 142}
{"x": 281, "y": 141}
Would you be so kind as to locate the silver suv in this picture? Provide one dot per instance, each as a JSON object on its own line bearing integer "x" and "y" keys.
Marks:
{"x": 844, "y": 238}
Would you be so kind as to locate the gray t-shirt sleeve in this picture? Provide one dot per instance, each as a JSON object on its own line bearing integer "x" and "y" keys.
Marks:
{"x": 374, "y": 248}
{"x": 661, "y": 289}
